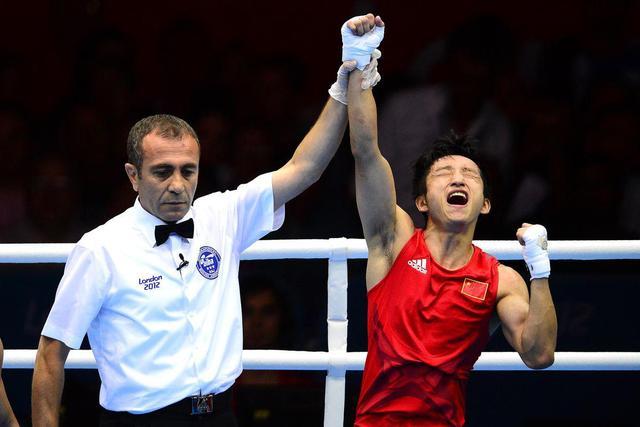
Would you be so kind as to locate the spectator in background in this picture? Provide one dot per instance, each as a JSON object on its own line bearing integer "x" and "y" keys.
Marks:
{"x": 97, "y": 113}
{"x": 179, "y": 46}
{"x": 105, "y": 76}
{"x": 607, "y": 180}
{"x": 265, "y": 397}
{"x": 461, "y": 99}
{"x": 265, "y": 315}
{"x": 252, "y": 154}
{"x": 13, "y": 79}
{"x": 540, "y": 181}
{"x": 609, "y": 51}
{"x": 275, "y": 103}
{"x": 52, "y": 205}
{"x": 214, "y": 127}
{"x": 15, "y": 146}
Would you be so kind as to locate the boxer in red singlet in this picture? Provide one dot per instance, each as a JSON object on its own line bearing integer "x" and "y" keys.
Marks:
{"x": 431, "y": 292}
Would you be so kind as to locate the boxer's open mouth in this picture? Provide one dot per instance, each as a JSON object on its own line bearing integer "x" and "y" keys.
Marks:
{"x": 458, "y": 198}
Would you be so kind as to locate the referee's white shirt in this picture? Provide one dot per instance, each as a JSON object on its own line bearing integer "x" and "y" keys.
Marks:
{"x": 158, "y": 334}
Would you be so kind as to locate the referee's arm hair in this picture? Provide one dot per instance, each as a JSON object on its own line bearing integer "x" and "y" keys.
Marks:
{"x": 48, "y": 382}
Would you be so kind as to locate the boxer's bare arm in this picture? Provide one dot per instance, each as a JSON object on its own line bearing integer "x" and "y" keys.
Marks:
{"x": 386, "y": 227}
{"x": 529, "y": 321}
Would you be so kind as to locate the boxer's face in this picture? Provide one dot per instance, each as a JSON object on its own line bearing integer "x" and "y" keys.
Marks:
{"x": 455, "y": 191}
{"x": 167, "y": 180}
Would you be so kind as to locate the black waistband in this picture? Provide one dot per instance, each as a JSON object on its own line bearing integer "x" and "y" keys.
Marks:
{"x": 221, "y": 404}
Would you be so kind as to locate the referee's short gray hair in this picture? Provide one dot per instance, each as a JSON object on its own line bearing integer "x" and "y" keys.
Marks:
{"x": 164, "y": 125}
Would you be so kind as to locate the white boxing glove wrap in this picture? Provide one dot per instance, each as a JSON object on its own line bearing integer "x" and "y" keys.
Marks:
{"x": 361, "y": 47}
{"x": 370, "y": 77}
{"x": 535, "y": 252}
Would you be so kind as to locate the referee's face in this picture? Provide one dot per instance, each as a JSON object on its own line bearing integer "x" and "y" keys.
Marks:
{"x": 168, "y": 177}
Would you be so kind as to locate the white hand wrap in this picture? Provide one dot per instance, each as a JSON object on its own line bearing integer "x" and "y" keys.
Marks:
{"x": 361, "y": 47}
{"x": 370, "y": 77}
{"x": 535, "y": 252}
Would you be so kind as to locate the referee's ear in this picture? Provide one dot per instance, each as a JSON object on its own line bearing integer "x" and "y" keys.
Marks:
{"x": 132, "y": 173}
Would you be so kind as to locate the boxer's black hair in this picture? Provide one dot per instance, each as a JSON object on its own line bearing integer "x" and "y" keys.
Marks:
{"x": 448, "y": 145}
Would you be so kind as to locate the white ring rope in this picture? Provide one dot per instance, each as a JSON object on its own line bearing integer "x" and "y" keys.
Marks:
{"x": 354, "y": 361}
{"x": 585, "y": 250}
{"x": 337, "y": 360}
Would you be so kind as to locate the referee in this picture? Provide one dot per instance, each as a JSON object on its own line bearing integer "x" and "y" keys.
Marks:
{"x": 156, "y": 287}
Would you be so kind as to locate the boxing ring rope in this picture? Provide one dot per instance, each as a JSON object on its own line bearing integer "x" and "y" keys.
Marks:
{"x": 506, "y": 250}
{"x": 337, "y": 360}
{"x": 287, "y": 360}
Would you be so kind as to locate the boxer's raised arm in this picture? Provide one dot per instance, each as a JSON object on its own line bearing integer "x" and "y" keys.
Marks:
{"x": 383, "y": 222}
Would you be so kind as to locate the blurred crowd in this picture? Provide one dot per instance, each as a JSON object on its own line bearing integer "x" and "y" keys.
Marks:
{"x": 556, "y": 119}
{"x": 555, "y": 122}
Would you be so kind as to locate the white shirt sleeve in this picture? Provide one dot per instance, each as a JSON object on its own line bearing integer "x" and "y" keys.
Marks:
{"x": 254, "y": 207}
{"x": 247, "y": 212}
{"x": 81, "y": 292}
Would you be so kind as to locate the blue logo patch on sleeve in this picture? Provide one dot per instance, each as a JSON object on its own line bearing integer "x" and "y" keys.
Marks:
{"x": 208, "y": 262}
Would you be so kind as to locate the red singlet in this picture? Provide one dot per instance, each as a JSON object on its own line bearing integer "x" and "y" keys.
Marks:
{"x": 427, "y": 327}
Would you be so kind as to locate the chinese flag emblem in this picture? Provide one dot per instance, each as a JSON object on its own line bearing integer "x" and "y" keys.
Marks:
{"x": 474, "y": 289}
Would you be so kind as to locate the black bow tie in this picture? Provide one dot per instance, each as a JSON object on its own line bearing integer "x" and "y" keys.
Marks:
{"x": 184, "y": 229}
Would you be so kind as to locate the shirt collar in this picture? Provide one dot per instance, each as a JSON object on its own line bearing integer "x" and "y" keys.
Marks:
{"x": 146, "y": 222}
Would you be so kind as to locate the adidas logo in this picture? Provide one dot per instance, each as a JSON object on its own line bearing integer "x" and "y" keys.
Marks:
{"x": 419, "y": 264}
